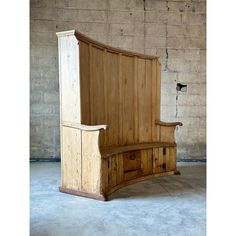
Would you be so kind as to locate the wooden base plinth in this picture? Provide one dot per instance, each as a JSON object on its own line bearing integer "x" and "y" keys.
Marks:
{"x": 83, "y": 194}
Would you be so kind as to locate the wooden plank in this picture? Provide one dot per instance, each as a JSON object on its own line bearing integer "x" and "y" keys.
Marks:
{"x": 107, "y": 151}
{"x": 112, "y": 99}
{"x": 155, "y": 104}
{"x": 120, "y": 168}
{"x": 113, "y": 171}
{"x": 71, "y": 158}
{"x": 120, "y": 137}
{"x": 91, "y": 162}
{"x": 136, "y": 100}
{"x": 84, "y": 84}
{"x": 147, "y": 162}
{"x": 167, "y": 134}
{"x": 145, "y": 102}
{"x": 69, "y": 79}
{"x": 128, "y": 99}
{"x": 172, "y": 158}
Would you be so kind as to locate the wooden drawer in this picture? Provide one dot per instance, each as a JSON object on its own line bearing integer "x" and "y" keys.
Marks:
{"x": 132, "y": 164}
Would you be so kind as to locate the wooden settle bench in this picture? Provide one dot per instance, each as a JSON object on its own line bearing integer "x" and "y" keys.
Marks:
{"x": 110, "y": 129}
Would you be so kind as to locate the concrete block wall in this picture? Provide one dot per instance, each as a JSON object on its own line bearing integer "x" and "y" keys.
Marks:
{"x": 173, "y": 30}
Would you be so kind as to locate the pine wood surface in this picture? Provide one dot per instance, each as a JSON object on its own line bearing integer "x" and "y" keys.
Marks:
{"x": 110, "y": 129}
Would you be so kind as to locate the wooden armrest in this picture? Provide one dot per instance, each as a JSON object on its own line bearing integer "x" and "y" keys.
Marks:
{"x": 84, "y": 127}
{"x": 158, "y": 122}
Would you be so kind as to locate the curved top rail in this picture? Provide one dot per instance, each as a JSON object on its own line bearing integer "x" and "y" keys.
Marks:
{"x": 83, "y": 38}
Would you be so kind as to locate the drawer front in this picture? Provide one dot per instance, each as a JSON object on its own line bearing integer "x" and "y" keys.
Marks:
{"x": 132, "y": 165}
{"x": 132, "y": 161}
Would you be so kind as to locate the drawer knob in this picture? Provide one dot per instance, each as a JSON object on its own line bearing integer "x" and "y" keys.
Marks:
{"x": 132, "y": 157}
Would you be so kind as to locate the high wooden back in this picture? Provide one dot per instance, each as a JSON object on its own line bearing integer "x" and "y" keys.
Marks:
{"x": 120, "y": 89}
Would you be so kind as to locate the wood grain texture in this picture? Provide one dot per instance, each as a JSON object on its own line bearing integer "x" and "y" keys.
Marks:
{"x": 111, "y": 133}
{"x": 71, "y": 158}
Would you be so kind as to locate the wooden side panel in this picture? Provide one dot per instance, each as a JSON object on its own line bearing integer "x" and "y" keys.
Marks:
{"x": 71, "y": 158}
{"x": 172, "y": 159}
{"x": 84, "y": 83}
{"x": 69, "y": 79}
{"x": 147, "y": 162}
{"x": 167, "y": 134}
{"x": 127, "y": 76}
{"x": 91, "y": 162}
{"x": 145, "y": 100}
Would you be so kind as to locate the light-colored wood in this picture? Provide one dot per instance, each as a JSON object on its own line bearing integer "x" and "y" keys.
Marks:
{"x": 91, "y": 162}
{"x": 71, "y": 163}
{"x": 111, "y": 133}
{"x": 107, "y": 151}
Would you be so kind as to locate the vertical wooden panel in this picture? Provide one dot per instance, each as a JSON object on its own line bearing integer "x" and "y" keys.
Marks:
{"x": 158, "y": 160}
{"x": 112, "y": 99}
{"x": 172, "y": 159}
{"x": 145, "y": 101}
{"x": 136, "y": 100}
{"x": 155, "y": 105}
{"x": 71, "y": 158}
{"x": 120, "y": 169}
{"x": 120, "y": 138}
{"x": 158, "y": 76}
{"x": 84, "y": 84}
{"x": 69, "y": 79}
{"x": 167, "y": 134}
{"x": 97, "y": 94}
{"x": 128, "y": 99}
{"x": 91, "y": 162}
{"x": 147, "y": 163}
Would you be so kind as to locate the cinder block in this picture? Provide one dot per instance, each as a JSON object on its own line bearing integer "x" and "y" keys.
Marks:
{"x": 168, "y": 100}
{"x": 126, "y": 5}
{"x": 122, "y": 41}
{"x": 191, "y": 111}
{"x": 52, "y": 97}
{"x": 193, "y": 77}
{"x": 95, "y": 27}
{"x": 157, "y": 5}
{"x": 45, "y": 13}
{"x": 194, "y": 19}
{"x": 191, "y": 100}
{"x": 138, "y": 42}
{"x": 43, "y": 38}
{"x": 168, "y": 88}
{"x": 83, "y": 15}
{"x": 175, "y": 42}
{"x": 42, "y": 25}
{"x": 36, "y": 97}
{"x": 43, "y": 50}
{"x": 174, "y": 18}
{"x": 169, "y": 77}
{"x": 125, "y": 16}
{"x": 81, "y": 4}
{"x": 155, "y": 17}
{"x": 155, "y": 29}
{"x": 197, "y": 89}
{"x": 152, "y": 42}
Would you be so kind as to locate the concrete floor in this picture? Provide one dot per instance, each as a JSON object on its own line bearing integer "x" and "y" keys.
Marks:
{"x": 164, "y": 206}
